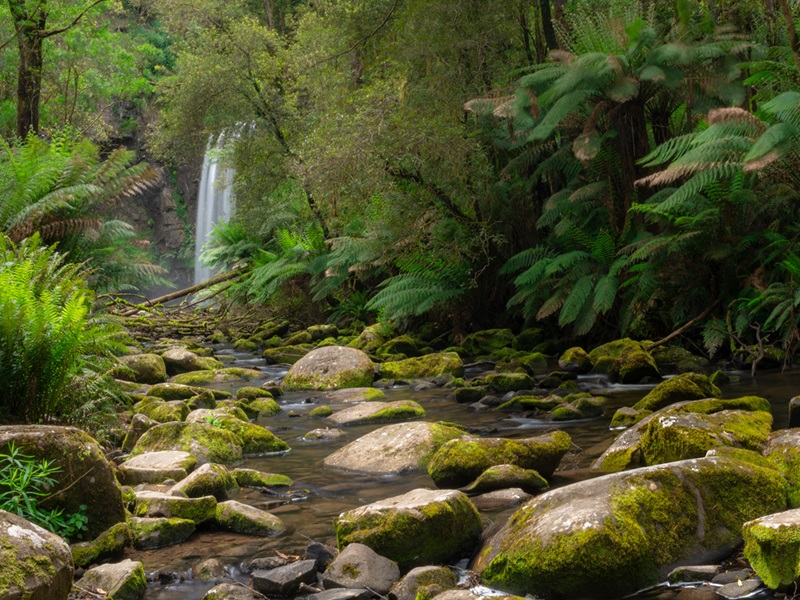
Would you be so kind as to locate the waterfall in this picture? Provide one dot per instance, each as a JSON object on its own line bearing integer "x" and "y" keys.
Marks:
{"x": 214, "y": 201}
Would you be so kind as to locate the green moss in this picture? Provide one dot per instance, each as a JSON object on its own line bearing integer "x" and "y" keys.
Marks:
{"x": 109, "y": 544}
{"x": 321, "y": 411}
{"x": 251, "y": 393}
{"x": 197, "y": 510}
{"x": 773, "y": 552}
{"x": 255, "y": 439}
{"x": 715, "y": 405}
{"x": 408, "y": 410}
{"x": 687, "y": 386}
{"x": 264, "y": 407}
{"x": 200, "y": 439}
{"x": 262, "y": 523}
{"x": 430, "y": 365}
{"x": 350, "y": 570}
{"x": 216, "y": 376}
{"x": 135, "y": 586}
{"x": 508, "y": 476}
{"x": 538, "y": 403}
{"x": 256, "y": 479}
{"x": 509, "y": 382}
{"x": 628, "y": 416}
{"x": 149, "y": 534}
{"x": 488, "y": 342}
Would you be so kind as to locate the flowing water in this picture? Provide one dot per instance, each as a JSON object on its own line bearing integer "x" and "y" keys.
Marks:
{"x": 319, "y": 495}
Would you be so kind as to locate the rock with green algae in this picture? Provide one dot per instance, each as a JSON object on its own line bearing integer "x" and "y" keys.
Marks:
{"x": 179, "y": 391}
{"x": 688, "y": 430}
{"x": 527, "y": 362}
{"x": 321, "y": 411}
{"x": 208, "y": 480}
{"x": 508, "y": 382}
{"x": 349, "y": 395}
{"x": 155, "y": 467}
{"x": 468, "y": 395}
{"x": 236, "y": 408}
{"x": 624, "y": 360}
{"x": 420, "y": 527}
{"x": 374, "y": 336}
{"x": 119, "y": 581}
{"x": 264, "y": 407}
{"x": 613, "y": 535}
{"x": 536, "y": 403}
{"x": 297, "y": 338}
{"x": 141, "y": 368}
{"x": 138, "y": 425}
{"x": 155, "y": 504}
{"x": 378, "y": 412}
{"x": 182, "y": 360}
{"x": 430, "y": 365}
{"x": 286, "y": 354}
{"x": 460, "y": 461}
{"x": 772, "y": 546}
{"x": 204, "y": 441}
{"x": 204, "y": 399}
{"x": 488, "y": 342}
{"x": 151, "y": 533}
{"x": 583, "y": 407}
{"x": 393, "y": 449}
{"x": 403, "y": 344}
{"x": 216, "y": 376}
{"x": 575, "y": 360}
{"x": 231, "y": 591}
{"x": 426, "y": 581}
{"x": 243, "y": 518}
{"x": 85, "y": 481}
{"x": 204, "y": 415}
{"x": 251, "y": 478}
{"x": 107, "y": 546}
{"x": 251, "y": 393}
{"x": 501, "y": 477}
{"x": 36, "y": 564}
{"x": 256, "y": 440}
{"x": 320, "y": 332}
{"x": 330, "y": 368}
{"x": 783, "y": 451}
{"x": 162, "y": 411}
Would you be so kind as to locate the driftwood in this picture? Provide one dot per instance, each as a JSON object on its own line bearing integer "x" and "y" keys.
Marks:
{"x": 683, "y": 328}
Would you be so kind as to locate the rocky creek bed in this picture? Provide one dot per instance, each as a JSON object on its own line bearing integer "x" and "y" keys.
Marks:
{"x": 632, "y": 527}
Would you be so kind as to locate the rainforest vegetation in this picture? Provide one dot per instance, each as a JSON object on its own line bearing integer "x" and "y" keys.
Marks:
{"x": 596, "y": 169}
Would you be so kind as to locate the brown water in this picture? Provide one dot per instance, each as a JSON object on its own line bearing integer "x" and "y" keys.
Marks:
{"x": 319, "y": 495}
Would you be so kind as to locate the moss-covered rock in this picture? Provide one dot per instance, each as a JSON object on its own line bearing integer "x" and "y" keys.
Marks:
{"x": 251, "y": 393}
{"x": 299, "y": 337}
{"x": 393, "y": 449}
{"x": 173, "y": 391}
{"x": 535, "y": 403}
{"x": 627, "y": 416}
{"x": 152, "y": 533}
{"x": 204, "y": 399}
{"x": 374, "y": 336}
{"x": 85, "y": 480}
{"x": 321, "y": 332}
{"x": 687, "y": 386}
{"x": 417, "y": 528}
{"x": 162, "y": 411}
{"x": 155, "y": 504}
{"x": 509, "y": 382}
{"x": 208, "y": 480}
{"x": 155, "y": 467}
{"x": 581, "y": 408}
{"x": 460, "y": 461}
{"x": 488, "y": 342}
{"x": 108, "y": 545}
{"x": 243, "y": 518}
{"x": 264, "y": 407}
{"x": 423, "y": 580}
{"x": 181, "y": 360}
{"x": 285, "y": 354}
{"x": 138, "y": 425}
{"x": 204, "y": 441}
{"x": 613, "y": 535}
{"x": 330, "y": 368}
{"x": 119, "y": 581}
{"x": 351, "y": 395}
{"x": 378, "y": 412}
{"x": 575, "y": 360}
{"x": 501, "y": 477}
{"x": 251, "y": 478}
{"x": 624, "y": 360}
{"x": 403, "y": 344}
{"x": 772, "y": 545}
{"x": 528, "y": 339}
{"x": 256, "y": 440}
{"x": 468, "y": 395}
{"x": 142, "y": 368}
{"x": 321, "y": 411}
{"x": 218, "y": 376}
{"x": 430, "y": 365}
{"x": 783, "y": 452}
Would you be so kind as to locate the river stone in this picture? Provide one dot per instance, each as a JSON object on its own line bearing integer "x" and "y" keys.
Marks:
{"x": 151, "y": 533}
{"x": 155, "y": 467}
{"x": 251, "y": 478}
{"x": 230, "y": 591}
{"x": 359, "y": 566}
{"x": 393, "y": 449}
{"x": 575, "y": 360}
{"x": 423, "y": 579}
{"x": 142, "y": 368}
{"x": 417, "y": 528}
{"x": 139, "y": 424}
{"x": 202, "y": 440}
{"x": 430, "y": 365}
{"x": 623, "y": 532}
{"x": 688, "y": 430}
{"x": 378, "y": 412}
{"x": 209, "y": 415}
{"x": 488, "y": 342}
{"x": 509, "y": 382}
{"x": 156, "y": 504}
{"x": 37, "y": 564}
{"x": 285, "y": 581}
{"x": 624, "y": 360}
{"x": 460, "y": 461}
{"x": 263, "y": 407}
{"x": 330, "y": 368}
{"x": 228, "y": 374}
{"x": 347, "y": 396}
{"x": 121, "y": 581}
{"x": 681, "y": 388}
{"x": 323, "y": 435}
{"x": 500, "y": 477}
{"x": 174, "y": 391}
{"x": 208, "y": 480}
{"x": 500, "y": 500}
{"x": 772, "y": 546}
{"x": 243, "y": 518}
{"x": 85, "y": 477}
{"x": 783, "y": 451}
{"x": 340, "y": 594}
{"x": 208, "y": 570}
{"x": 180, "y": 360}
{"x": 462, "y": 595}
{"x": 108, "y": 545}
{"x": 162, "y": 411}
{"x": 256, "y": 440}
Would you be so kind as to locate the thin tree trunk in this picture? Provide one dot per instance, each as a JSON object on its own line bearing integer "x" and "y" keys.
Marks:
{"x": 547, "y": 25}
{"x": 31, "y": 60}
{"x": 526, "y": 33}
{"x": 791, "y": 31}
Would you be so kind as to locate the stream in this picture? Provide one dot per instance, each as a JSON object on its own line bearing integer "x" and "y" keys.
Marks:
{"x": 319, "y": 495}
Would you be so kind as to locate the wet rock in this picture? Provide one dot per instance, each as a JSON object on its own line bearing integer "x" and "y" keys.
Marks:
{"x": 162, "y": 411}
{"x": 230, "y": 591}
{"x": 155, "y": 467}
{"x": 500, "y": 499}
{"x": 624, "y": 360}
{"x": 508, "y": 382}
{"x": 37, "y": 564}
{"x": 321, "y": 554}
{"x": 264, "y": 563}
{"x": 743, "y": 589}
{"x": 256, "y": 440}
{"x": 459, "y": 595}
{"x": 416, "y": 528}
{"x": 228, "y": 374}
{"x": 321, "y": 411}
{"x": 626, "y": 531}
{"x": 323, "y": 435}
{"x": 488, "y": 342}
{"x": 428, "y": 580}
{"x": 121, "y": 581}
{"x": 155, "y": 504}
{"x": 257, "y": 479}
{"x": 208, "y": 570}
{"x": 429, "y": 365}
{"x": 350, "y": 395}
{"x": 330, "y": 368}
{"x": 139, "y": 424}
{"x": 85, "y": 477}
{"x": 459, "y": 462}
{"x": 501, "y": 477}
{"x": 202, "y": 440}
{"x": 468, "y": 395}
{"x": 175, "y": 391}
{"x": 181, "y": 360}
{"x": 340, "y": 594}
{"x": 783, "y": 451}
{"x": 393, "y": 449}
{"x": 575, "y": 360}
{"x": 378, "y": 412}
{"x": 358, "y": 566}
{"x": 263, "y": 407}
{"x": 243, "y": 518}
{"x": 285, "y": 581}
{"x": 142, "y": 368}
{"x": 208, "y": 480}
{"x": 694, "y": 573}
{"x": 152, "y": 533}
{"x": 374, "y": 336}
{"x": 108, "y": 545}
{"x": 772, "y": 545}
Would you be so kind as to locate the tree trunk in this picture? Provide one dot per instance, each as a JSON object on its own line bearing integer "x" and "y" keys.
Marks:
{"x": 791, "y": 32}
{"x": 547, "y": 25}
{"x": 31, "y": 60}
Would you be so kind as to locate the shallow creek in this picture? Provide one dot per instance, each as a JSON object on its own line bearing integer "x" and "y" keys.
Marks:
{"x": 319, "y": 495}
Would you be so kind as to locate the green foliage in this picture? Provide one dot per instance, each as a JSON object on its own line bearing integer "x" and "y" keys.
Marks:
{"x": 24, "y": 483}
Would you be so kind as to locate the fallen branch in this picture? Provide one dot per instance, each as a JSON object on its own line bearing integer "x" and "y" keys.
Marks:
{"x": 683, "y": 328}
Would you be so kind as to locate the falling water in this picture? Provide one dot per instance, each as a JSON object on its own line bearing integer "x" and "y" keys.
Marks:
{"x": 214, "y": 201}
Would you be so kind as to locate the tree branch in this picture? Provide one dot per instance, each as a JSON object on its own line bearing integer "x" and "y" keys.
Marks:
{"x": 445, "y": 200}
{"x": 362, "y": 40}
{"x": 75, "y": 21}
{"x": 683, "y": 328}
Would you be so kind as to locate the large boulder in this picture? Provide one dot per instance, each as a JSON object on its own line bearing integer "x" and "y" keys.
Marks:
{"x": 330, "y": 368}
{"x": 420, "y": 527}
{"x": 202, "y": 440}
{"x": 393, "y": 449}
{"x": 613, "y": 535}
{"x": 429, "y": 365}
{"x": 460, "y": 461}
{"x": 142, "y": 368}
{"x": 229, "y": 374}
{"x": 121, "y": 581}
{"x": 181, "y": 360}
{"x": 155, "y": 467}
{"x": 625, "y": 360}
{"x": 256, "y": 440}
{"x": 108, "y": 545}
{"x": 36, "y": 564}
{"x": 359, "y": 566}
{"x": 85, "y": 478}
